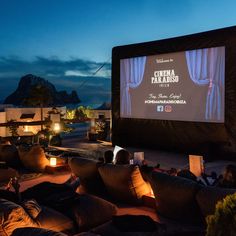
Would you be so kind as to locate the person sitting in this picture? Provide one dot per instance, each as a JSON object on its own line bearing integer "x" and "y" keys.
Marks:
{"x": 123, "y": 157}
{"x": 54, "y": 195}
{"x": 108, "y": 157}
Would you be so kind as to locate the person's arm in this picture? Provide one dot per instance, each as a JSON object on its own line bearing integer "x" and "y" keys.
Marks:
{"x": 15, "y": 184}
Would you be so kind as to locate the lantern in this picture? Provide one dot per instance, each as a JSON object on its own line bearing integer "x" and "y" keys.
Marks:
{"x": 53, "y": 161}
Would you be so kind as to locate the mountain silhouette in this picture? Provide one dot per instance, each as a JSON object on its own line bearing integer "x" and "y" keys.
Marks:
{"x": 27, "y": 82}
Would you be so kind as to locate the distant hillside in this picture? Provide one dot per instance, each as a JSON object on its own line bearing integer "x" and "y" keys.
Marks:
{"x": 104, "y": 106}
{"x": 29, "y": 81}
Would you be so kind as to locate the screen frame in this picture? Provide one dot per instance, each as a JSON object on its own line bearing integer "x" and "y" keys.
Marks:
{"x": 126, "y": 131}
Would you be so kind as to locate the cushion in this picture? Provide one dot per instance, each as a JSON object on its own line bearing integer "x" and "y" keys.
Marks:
{"x": 54, "y": 220}
{"x": 9, "y": 154}
{"x": 29, "y": 231}
{"x": 87, "y": 171}
{"x": 92, "y": 211}
{"x": 124, "y": 182}
{"x": 175, "y": 197}
{"x": 207, "y": 198}
{"x": 13, "y": 216}
{"x": 32, "y": 208}
{"x": 34, "y": 159}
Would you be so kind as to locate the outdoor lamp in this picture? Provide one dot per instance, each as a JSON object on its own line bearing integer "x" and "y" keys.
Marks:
{"x": 53, "y": 161}
{"x": 57, "y": 127}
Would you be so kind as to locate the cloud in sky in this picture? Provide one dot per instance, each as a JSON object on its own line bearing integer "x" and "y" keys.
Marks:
{"x": 74, "y": 74}
{"x": 53, "y": 66}
{"x": 100, "y": 73}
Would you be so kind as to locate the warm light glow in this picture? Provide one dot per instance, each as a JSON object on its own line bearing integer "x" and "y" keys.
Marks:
{"x": 57, "y": 127}
{"x": 196, "y": 165}
{"x": 151, "y": 193}
{"x": 92, "y": 122}
{"x": 53, "y": 161}
{"x": 92, "y": 125}
{"x": 26, "y": 129}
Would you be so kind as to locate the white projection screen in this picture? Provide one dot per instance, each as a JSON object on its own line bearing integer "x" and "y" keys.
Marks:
{"x": 181, "y": 86}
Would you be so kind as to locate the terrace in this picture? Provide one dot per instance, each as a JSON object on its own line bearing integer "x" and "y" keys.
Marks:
{"x": 164, "y": 176}
{"x": 83, "y": 160}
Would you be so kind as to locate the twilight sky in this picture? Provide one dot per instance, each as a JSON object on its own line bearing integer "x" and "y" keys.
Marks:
{"x": 66, "y": 41}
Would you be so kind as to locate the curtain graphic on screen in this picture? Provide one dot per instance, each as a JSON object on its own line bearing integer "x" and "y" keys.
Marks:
{"x": 206, "y": 67}
{"x": 131, "y": 74}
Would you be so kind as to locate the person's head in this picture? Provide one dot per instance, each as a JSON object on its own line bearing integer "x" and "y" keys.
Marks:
{"x": 123, "y": 157}
{"x": 108, "y": 156}
{"x": 229, "y": 176}
{"x": 100, "y": 160}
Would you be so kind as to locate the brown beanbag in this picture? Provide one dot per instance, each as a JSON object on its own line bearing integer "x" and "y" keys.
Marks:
{"x": 13, "y": 216}
{"x": 176, "y": 197}
{"x": 91, "y": 211}
{"x": 87, "y": 171}
{"x": 124, "y": 182}
{"x": 32, "y": 208}
{"x": 34, "y": 159}
{"x": 51, "y": 219}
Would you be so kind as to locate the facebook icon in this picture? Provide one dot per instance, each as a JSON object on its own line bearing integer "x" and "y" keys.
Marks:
{"x": 160, "y": 108}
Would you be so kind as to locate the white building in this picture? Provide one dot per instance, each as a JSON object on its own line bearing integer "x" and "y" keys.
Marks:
{"x": 102, "y": 112}
{"x": 25, "y": 115}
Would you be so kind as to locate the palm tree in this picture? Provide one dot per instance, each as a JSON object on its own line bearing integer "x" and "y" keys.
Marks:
{"x": 39, "y": 95}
